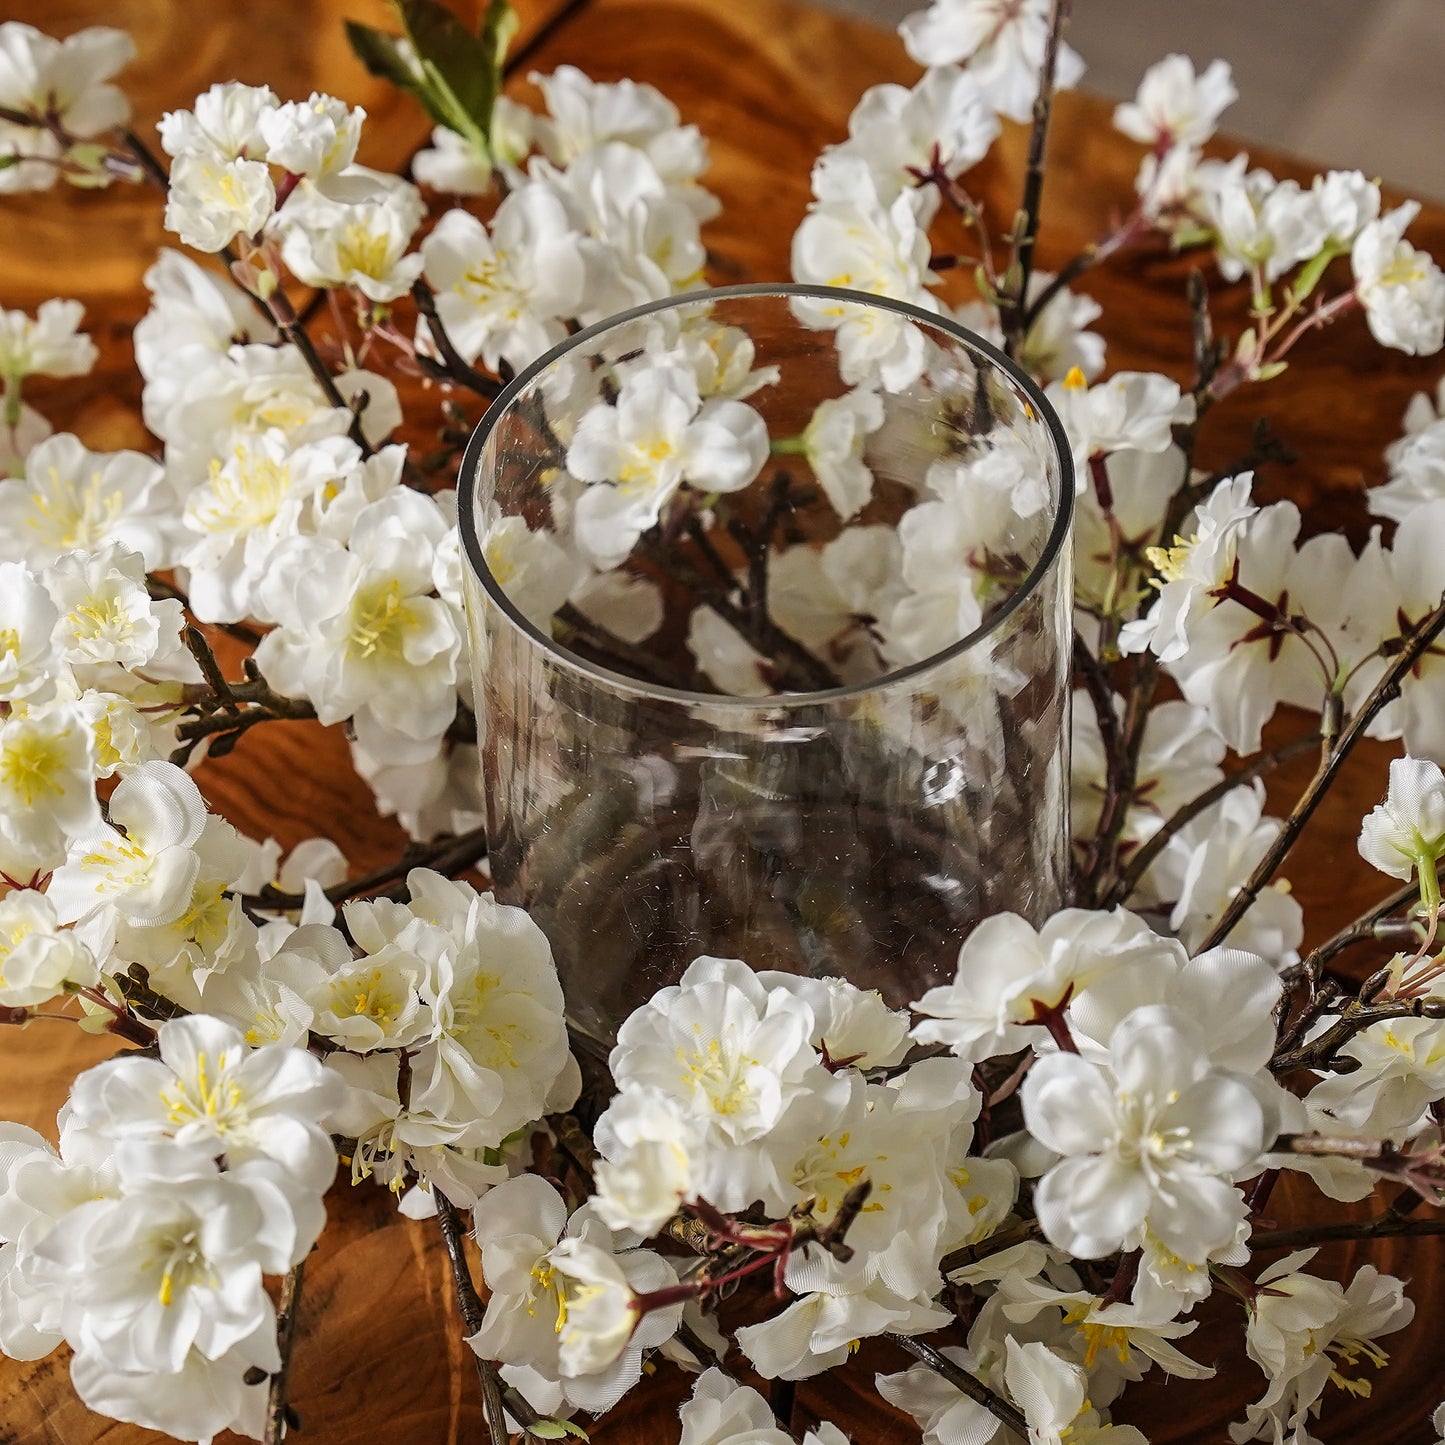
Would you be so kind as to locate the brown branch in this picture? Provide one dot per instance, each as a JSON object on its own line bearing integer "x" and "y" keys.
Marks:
{"x": 1385, "y": 691}
{"x": 792, "y": 660}
{"x": 1014, "y": 316}
{"x": 1266, "y": 762}
{"x": 575, "y": 1143}
{"x": 969, "y": 1254}
{"x": 1320, "y": 1052}
{"x": 965, "y": 1383}
{"x": 1311, "y": 970}
{"x": 1383, "y": 1226}
{"x": 1096, "y": 682}
{"x": 473, "y": 1314}
{"x": 279, "y": 1415}
{"x": 450, "y": 855}
{"x": 453, "y": 366}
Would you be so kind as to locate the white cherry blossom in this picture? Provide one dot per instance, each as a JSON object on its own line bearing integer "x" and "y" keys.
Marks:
{"x": 635, "y": 455}
{"x": 49, "y": 344}
{"x": 1406, "y": 832}
{"x": 1175, "y": 105}
{"x": 41, "y": 77}
{"x": 1010, "y": 976}
{"x": 71, "y": 498}
{"x": 314, "y": 137}
{"x": 1192, "y": 570}
{"x": 38, "y": 958}
{"x": 210, "y": 1092}
{"x": 546, "y": 1291}
{"x": 833, "y": 443}
{"x": 1262, "y": 223}
{"x": 1001, "y": 42}
{"x": 29, "y": 659}
{"x": 505, "y": 293}
{"x": 584, "y": 115}
{"x": 1305, "y": 1332}
{"x": 249, "y": 503}
{"x": 1401, "y": 289}
{"x": 355, "y": 233}
{"x": 864, "y": 244}
{"x": 146, "y": 872}
{"x": 1131, "y": 411}
{"x": 1151, "y": 1140}
{"x": 1206, "y": 864}
{"x": 899, "y": 133}
{"x": 47, "y": 787}
{"x": 1348, "y": 203}
{"x": 360, "y": 634}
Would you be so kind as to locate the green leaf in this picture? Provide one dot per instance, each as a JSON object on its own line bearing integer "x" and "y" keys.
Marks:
{"x": 556, "y": 1430}
{"x": 498, "y": 29}
{"x": 381, "y": 54}
{"x": 459, "y": 72}
{"x": 1308, "y": 276}
{"x": 1270, "y": 370}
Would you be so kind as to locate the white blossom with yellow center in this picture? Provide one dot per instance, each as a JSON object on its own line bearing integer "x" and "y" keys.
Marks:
{"x": 47, "y": 787}
{"x": 38, "y": 958}
{"x": 143, "y": 862}
{"x": 71, "y": 498}
{"x": 212, "y": 1094}
{"x": 635, "y": 455}
{"x": 563, "y": 1307}
{"x": 1192, "y": 571}
{"x": 360, "y": 634}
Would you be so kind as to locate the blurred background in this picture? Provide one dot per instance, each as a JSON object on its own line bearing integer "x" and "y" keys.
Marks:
{"x": 1352, "y": 83}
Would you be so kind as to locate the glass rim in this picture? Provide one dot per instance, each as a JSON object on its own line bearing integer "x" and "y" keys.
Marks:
{"x": 623, "y": 682}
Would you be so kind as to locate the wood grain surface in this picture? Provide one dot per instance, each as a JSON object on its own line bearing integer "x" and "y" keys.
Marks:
{"x": 379, "y": 1355}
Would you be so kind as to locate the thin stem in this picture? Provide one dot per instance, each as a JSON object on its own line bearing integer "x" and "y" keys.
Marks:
{"x": 278, "y": 1412}
{"x": 473, "y": 1314}
{"x": 962, "y": 1381}
{"x": 607, "y": 646}
{"x": 969, "y": 1254}
{"x": 1014, "y": 317}
{"x": 1385, "y": 692}
{"x": 1383, "y": 1226}
{"x": 1101, "y": 692}
{"x": 1266, "y": 762}
{"x": 448, "y": 855}
{"x": 457, "y": 368}
{"x": 1320, "y": 1052}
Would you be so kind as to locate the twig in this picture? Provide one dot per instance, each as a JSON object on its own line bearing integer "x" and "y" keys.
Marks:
{"x": 448, "y": 855}
{"x": 473, "y": 1314}
{"x": 962, "y": 1381}
{"x": 1101, "y": 692}
{"x": 1311, "y": 970}
{"x": 1266, "y": 762}
{"x": 792, "y": 660}
{"x": 608, "y": 647}
{"x": 1319, "y": 1053}
{"x": 575, "y": 1143}
{"x": 1383, "y": 1226}
{"x": 995, "y": 1244}
{"x": 1014, "y": 317}
{"x": 1384, "y": 692}
{"x": 278, "y": 1413}
{"x": 456, "y": 367}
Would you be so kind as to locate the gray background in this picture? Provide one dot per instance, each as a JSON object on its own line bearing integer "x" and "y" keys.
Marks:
{"x": 1341, "y": 82}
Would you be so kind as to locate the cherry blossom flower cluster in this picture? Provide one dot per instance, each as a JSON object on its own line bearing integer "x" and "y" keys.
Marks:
{"x": 1034, "y": 1182}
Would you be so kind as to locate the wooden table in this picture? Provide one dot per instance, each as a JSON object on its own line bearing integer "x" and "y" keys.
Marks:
{"x": 380, "y": 1356}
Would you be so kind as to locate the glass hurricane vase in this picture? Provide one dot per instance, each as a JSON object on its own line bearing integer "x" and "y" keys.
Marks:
{"x": 769, "y": 597}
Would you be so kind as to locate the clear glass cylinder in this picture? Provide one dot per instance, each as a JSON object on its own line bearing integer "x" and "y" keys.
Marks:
{"x": 769, "y": 595}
